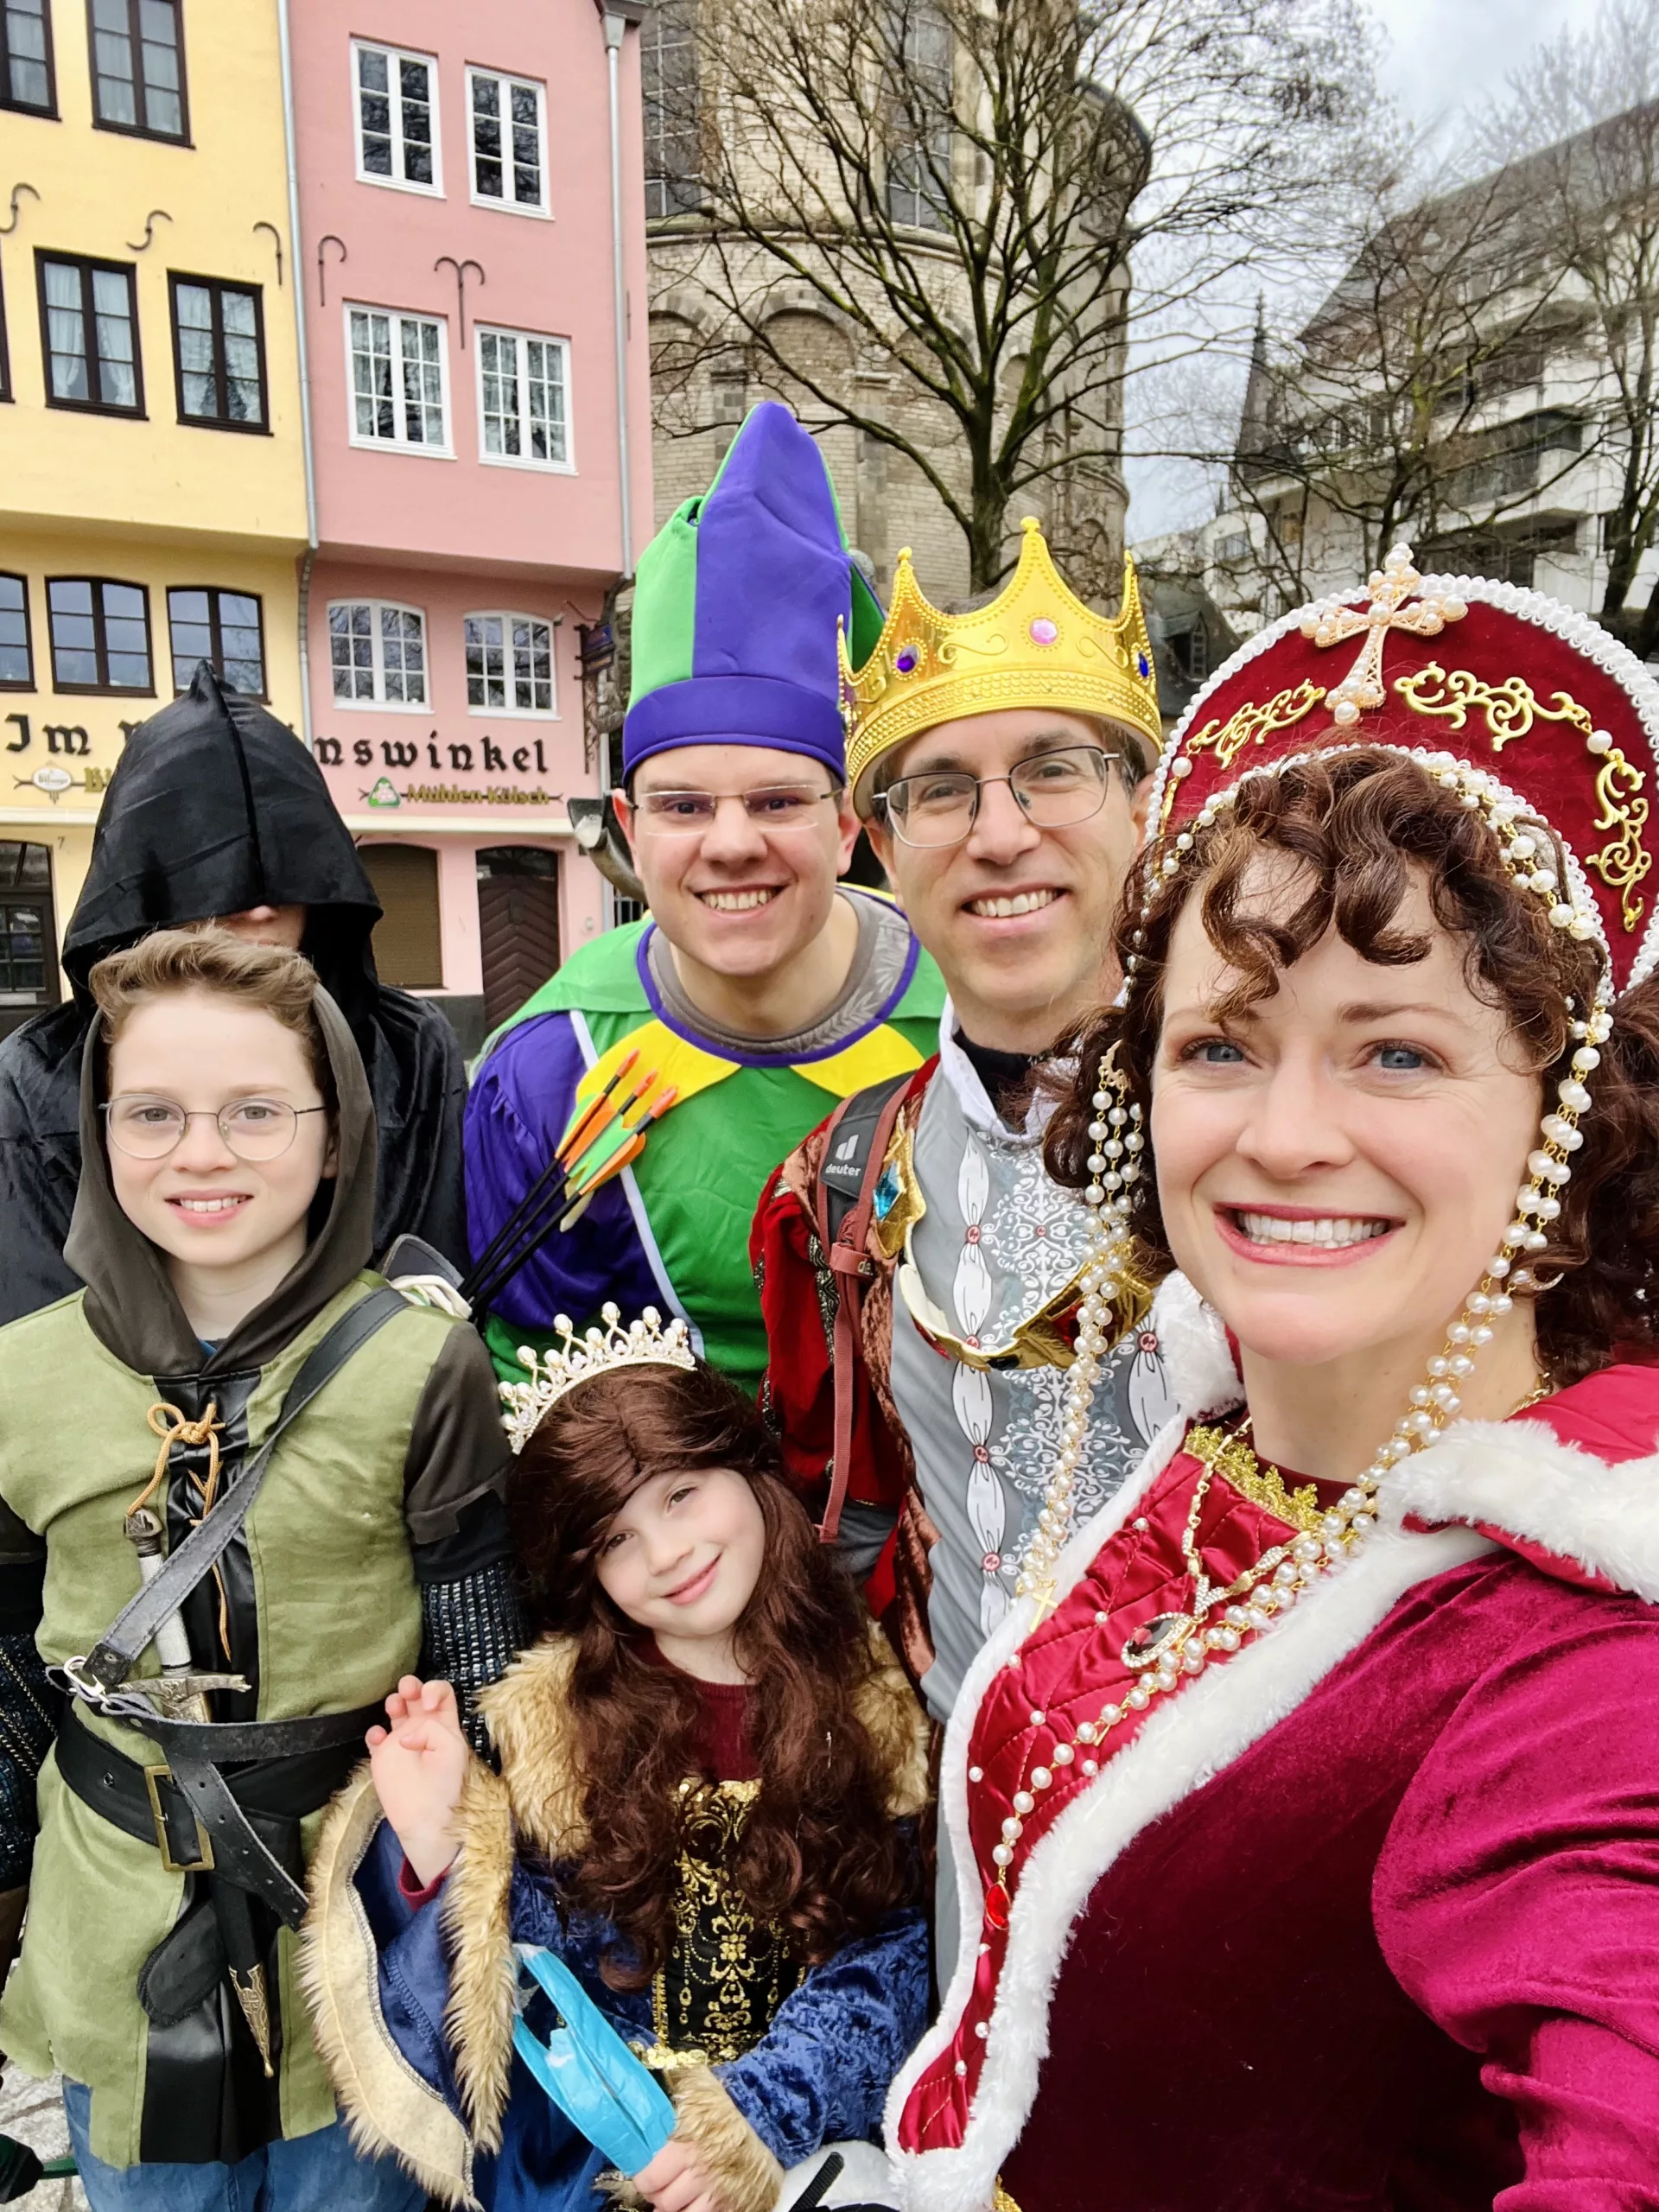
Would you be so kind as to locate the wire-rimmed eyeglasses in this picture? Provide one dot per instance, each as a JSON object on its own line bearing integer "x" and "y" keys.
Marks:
{"x": 146, "y": 1127}
{"x": 1051, "y": 790}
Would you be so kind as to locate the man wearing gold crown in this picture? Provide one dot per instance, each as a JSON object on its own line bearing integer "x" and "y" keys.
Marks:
{"x": 998, "y": 758}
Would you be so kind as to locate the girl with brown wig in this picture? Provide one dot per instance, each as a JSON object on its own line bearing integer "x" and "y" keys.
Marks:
{"x": 709, "y": 1772}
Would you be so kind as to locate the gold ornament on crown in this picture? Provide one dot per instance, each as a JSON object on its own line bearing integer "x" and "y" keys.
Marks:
{"x": 1036, "y": 645}
{"x": 644, "y": 1342}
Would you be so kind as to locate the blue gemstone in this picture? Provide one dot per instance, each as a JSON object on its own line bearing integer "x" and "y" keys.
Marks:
{"x": 1143, "y": 666}
{"x": 886, "y": 1192}
{"x": 905, "y": 659}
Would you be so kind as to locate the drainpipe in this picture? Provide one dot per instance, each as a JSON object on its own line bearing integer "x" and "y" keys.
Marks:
{"x": 617, "y": 15}
{"x": 296, "y": 263}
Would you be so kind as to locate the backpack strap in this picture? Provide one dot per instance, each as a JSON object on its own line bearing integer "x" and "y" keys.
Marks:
{"x": 854, "y": 1151}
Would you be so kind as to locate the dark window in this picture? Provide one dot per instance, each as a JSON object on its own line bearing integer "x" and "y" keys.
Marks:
{"x": 29, "y": 974}
{"x": 16, "y": 661}
{"x": 100, "y": 635}
{"x": 396, "y": 98}
{"x": 25, "y": 57}
{"x": 920, "y": 167}
{"x": 219, "y": 348}
{"x": 89, "y": 327}
{"x": 669, "y": 81}
{"x": 138, "y": 67}
{"x": 221, "y": 627}
{"x": 506, "y": 125}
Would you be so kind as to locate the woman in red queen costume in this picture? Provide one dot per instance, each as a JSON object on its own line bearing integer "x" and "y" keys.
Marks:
{"x": 1306, "y": 1810}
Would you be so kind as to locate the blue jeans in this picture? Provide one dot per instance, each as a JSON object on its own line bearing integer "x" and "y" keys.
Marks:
{"x": 314, "y": 2173}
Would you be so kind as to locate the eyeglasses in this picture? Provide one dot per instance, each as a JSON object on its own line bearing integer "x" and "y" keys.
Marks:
{"x": 146, "y": 1128}
{"x": 1051, "y": 789}
{"x": 780, "y": 806}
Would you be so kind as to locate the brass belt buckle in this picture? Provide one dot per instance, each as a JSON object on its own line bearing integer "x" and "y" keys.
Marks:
{"x": 153, "y": 1775}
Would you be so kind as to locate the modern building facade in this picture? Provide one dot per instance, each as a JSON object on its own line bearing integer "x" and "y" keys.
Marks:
{"x": 473, "y": 509}
{"x": 152, "y": 474}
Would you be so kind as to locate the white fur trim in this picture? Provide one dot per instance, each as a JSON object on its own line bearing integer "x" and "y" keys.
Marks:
{"x": 1519, "y": 1475}
{"x": 1179, "y": 1748}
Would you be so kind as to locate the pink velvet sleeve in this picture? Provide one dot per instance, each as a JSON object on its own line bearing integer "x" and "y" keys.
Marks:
{"x": 1516, "y": 1901}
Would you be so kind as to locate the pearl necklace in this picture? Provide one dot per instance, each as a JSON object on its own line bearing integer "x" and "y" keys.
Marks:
{"x": 1115, "y": 1165}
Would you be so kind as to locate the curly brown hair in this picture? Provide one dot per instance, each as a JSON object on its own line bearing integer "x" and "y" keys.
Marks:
{"x": 819, "y": 1854}
{"x": 1364, "y": 826}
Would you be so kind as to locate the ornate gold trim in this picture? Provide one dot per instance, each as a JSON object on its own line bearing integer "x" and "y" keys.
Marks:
{"x": 1509, "y": 711}
{"x": 1229, "y": 1456}
{"x": 1252, "y": 724}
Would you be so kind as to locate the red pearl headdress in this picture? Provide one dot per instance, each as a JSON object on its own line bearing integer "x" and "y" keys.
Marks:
{"x": 1561, "y": 719}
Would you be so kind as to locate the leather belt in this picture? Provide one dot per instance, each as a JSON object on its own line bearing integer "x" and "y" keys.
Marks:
{"x": 205, "y": 1822}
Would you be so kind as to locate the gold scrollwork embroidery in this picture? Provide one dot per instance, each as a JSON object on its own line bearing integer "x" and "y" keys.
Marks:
{"x": 1231, "y": 1457}
{"x": 949, "y": 650}
{"x": 726, "y": 1974}
{"x": 1252, "y": 724}
{"x": 1509, "y": 711}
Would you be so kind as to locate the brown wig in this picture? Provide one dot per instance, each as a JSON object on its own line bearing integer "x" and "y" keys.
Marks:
{"x": 1363, "y": 828}
{"x": 819, "y": 1854}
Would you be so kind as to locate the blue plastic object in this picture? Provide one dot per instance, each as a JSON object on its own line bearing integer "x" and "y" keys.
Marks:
{"x": 590, "y": 2073}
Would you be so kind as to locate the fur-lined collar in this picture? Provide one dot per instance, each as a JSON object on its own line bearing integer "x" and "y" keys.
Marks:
{"x": 528, "y": 1713}
{"x": 1517, "y": 1483}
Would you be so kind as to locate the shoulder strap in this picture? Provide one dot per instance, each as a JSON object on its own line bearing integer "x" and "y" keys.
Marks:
{"x": 118, "y": 1650}
{"x": 854, "y": 1149}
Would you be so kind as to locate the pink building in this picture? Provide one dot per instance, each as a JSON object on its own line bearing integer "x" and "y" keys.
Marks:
{"x": 478, "y": 487}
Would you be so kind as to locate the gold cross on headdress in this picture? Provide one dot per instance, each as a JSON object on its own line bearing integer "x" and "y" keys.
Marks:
{"x": 1391, "y": 585}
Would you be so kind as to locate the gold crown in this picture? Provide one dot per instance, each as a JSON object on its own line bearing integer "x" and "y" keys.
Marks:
{"x": 644, "y": 1342}
{"x": 1036, "y": 645}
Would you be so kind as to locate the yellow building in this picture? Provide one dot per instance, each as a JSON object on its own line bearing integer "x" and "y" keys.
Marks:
{"x": 153, "y": 507}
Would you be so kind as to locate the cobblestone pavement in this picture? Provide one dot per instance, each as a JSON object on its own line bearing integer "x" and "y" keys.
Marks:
{"x": 32, "y": 2111}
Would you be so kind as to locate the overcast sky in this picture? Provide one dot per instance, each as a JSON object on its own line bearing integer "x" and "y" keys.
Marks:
{"x": 1438, "y": 56}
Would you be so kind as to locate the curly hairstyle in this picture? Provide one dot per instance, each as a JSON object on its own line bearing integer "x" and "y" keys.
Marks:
{"x": 819, "y": 1854}
{"x": 1363, "y": 827}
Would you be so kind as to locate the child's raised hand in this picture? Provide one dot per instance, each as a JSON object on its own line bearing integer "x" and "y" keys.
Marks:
{"x": 680, "y": 2179}
{"x": 419, "y": 1765}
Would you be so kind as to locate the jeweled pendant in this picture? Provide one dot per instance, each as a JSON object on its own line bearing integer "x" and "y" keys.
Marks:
{"x": 1157, "y": 1636}
{"x": 996, "y": 1907}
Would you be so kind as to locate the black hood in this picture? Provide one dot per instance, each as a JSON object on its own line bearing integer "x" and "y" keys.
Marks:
{"x": 130, "y": 1303}
{"x": 215, "y": 807}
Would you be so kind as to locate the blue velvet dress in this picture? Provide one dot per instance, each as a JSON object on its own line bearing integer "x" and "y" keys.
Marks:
{"x": 805, "y": 2054}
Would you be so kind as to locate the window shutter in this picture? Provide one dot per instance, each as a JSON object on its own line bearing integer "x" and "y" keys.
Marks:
{"x": 408, "y": 938}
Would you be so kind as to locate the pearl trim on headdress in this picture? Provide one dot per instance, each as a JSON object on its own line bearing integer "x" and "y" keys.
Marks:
{"x": 644, "y": 1342}
{"x": 1580, "y": 632}
{"x": 1115, "y": 1166}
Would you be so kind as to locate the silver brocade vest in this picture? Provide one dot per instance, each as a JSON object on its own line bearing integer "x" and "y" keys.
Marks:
{"x": 998, "y": 1240}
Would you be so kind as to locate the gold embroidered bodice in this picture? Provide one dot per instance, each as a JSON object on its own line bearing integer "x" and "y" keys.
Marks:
{"x": 726, "y": 1974}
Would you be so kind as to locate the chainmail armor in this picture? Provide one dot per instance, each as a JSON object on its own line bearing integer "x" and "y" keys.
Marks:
{"x": 471, "y": 1630}
{"x": 29, "y": 1722}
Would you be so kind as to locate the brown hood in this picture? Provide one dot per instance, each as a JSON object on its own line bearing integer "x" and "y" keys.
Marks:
{"x": 130, "y": 1300}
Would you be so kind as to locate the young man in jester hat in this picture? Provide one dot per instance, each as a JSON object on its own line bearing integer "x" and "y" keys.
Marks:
{"x": 759, "y": 993}
{"x": 999, "y": 757}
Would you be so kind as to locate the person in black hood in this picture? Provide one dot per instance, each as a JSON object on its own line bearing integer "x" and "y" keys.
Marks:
{"x": 217, "y": 812}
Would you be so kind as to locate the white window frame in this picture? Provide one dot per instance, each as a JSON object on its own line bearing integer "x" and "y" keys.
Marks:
{"x": 379, "y": 704}
{"x": 506, "y": 616}
{"x": 506, "y": 206}
{"x": 568, "y": 466}
{"x": 399, "y": 442}
{"x": 394, "y": 55}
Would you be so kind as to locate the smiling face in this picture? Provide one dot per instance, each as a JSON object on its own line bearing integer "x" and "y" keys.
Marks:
{"x": 1017, "y": 916}
{"x": 740, "y": 897}
{"x": 201, "y": 1204}
{"x": 682, "y": 1558}
{"x": 1337, "y": 1164}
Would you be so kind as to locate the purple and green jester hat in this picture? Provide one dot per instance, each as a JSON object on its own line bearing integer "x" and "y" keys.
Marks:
{"x": 737, "y": 604}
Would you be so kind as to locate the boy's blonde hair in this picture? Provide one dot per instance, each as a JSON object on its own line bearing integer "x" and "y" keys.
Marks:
{"x": 279, "y": 982}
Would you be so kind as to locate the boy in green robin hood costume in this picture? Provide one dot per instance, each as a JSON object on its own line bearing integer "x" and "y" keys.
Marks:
{"x": 759, "y": 993}
{"x": 215, "y": 1390}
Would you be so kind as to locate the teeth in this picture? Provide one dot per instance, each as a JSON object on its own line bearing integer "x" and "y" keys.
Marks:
{"x": 736, "y": 902}
{"x": 1333, "y": 1230}
{"x": 1022, "y": 902}
{"x": 207, "y": 1205}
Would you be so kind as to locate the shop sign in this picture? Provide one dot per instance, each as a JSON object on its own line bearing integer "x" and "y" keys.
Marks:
{"x": 480, "y": 756}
